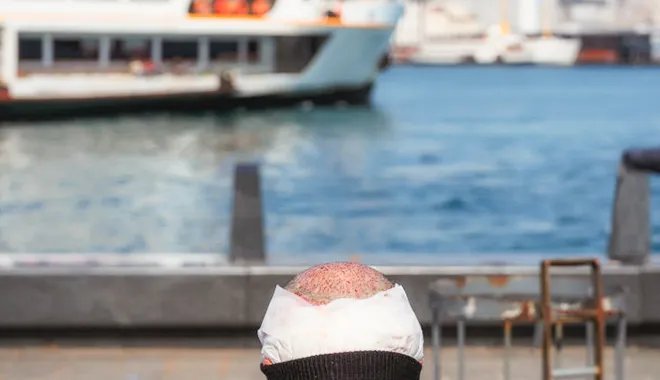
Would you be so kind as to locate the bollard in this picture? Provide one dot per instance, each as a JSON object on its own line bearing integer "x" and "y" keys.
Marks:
{"x": 247, "y": 241}
{"x": 645, "y": 160}
{"x": 630, "y": 238}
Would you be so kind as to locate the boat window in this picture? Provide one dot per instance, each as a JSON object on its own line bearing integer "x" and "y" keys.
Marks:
{"x": 129, "y": 48}
{"x": 29, "y": 49}
{"x": 180, "y": 50}
{"x": 223, "y": 51}
{"x": 1, "y": 55}
{"x": 76, "y": 49}
{"x": 253, "y": 51}
{"x": 294, "y": 53}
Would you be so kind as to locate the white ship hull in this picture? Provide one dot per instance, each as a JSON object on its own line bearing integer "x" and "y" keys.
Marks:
{"x": 554, "y": 51}
{"x": 494, "y": 53}
{"x": 494, "y": 48}
{"x": 477, "y": 51}
{"x": 183, "y": 102}
{"x": 349, "y": 59}
{"x": 543, "y": 52}
{"x": 429, "y": 34}
{"x": 448, "y": 52}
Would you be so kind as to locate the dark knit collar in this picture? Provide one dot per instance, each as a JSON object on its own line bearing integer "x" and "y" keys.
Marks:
{"x": 357, "y": 365}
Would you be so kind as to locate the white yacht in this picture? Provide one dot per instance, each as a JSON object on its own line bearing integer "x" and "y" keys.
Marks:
{"x": 545, "y": 47}
{"x": 439, "y": 32}
{"x": 502, "y": 46}
{"x": 554, "y": 51}
{"x": 64, "y": 57}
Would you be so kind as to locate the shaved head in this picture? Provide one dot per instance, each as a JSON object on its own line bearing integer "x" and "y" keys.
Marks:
{"x": 325, "y": 283}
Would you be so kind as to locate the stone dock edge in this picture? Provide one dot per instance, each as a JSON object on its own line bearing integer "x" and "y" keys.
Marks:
{"x": 230, "y": 297}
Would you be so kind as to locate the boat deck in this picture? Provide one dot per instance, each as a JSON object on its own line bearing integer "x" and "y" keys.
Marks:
{"x": 44, "y": 362}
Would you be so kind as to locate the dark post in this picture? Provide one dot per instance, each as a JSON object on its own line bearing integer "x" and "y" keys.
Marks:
{"x": 630, "y": 239}
{"x": 247, "y": 243}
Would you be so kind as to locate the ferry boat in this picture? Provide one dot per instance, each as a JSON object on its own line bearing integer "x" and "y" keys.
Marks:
{"x": 61, "y": 58}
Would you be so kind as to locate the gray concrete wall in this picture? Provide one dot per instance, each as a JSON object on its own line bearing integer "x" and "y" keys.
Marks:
{"x": 226, "y": 297}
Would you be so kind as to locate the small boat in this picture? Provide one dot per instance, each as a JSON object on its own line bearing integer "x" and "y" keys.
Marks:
{"x": 555, "y": 51}
{"x": 549, "y": 49}
{"x": 435, "y": 33}
{"x": 503, "y": 47}
{"x": 62, "y": 58}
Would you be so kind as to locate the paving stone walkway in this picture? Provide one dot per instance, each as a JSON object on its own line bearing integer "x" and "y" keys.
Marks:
{"x": 175, "y": 363}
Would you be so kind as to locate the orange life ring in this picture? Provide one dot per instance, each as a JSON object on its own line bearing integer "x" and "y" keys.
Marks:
{"x": 260, "y": 7}
{"x": 202, "y": 7}
{"x": 232, "y": 7}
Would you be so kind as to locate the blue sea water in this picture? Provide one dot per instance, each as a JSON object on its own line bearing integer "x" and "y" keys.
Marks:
{"x": 449, "y": 164}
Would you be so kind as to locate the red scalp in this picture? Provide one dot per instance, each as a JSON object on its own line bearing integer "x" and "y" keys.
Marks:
{"x": 325, "y": 283}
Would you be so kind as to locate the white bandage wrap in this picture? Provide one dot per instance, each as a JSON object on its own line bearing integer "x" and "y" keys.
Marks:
{"x": 294, "y": 328}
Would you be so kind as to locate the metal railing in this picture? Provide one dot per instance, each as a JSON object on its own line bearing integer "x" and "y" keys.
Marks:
{"x": 526, "y": 298}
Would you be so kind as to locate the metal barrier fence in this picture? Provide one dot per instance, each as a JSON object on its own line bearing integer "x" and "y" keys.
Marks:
{"x": 575, "y": 298}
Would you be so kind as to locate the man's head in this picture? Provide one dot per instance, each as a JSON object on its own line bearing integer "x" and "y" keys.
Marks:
{"x": 342, "y": 318}
{"x": 322, "y": 284}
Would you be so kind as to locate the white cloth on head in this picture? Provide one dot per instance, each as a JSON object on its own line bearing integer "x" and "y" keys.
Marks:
{"x": 294, "y": 328}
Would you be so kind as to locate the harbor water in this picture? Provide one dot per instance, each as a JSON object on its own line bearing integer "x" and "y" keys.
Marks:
{"x": 449, "y": 164}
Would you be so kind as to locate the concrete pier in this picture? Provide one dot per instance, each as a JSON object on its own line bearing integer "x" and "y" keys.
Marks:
{"x": 230, "y": 296}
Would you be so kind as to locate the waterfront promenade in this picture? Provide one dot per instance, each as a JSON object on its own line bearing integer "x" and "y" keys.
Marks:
{"x": 50, "y": 362}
